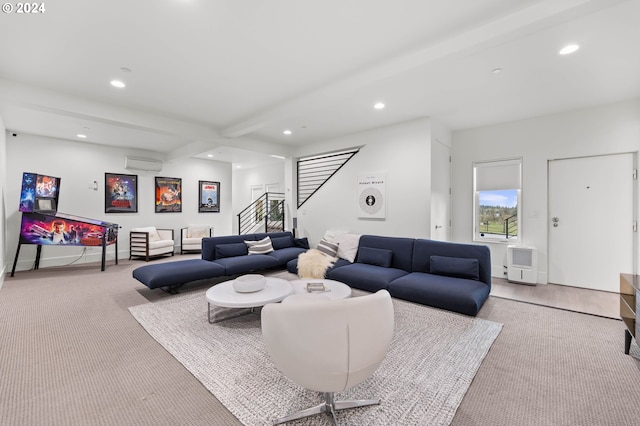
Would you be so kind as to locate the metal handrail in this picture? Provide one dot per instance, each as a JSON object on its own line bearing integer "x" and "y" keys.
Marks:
{"x": 267, "y": 210}
{"x": 313, "y": 172}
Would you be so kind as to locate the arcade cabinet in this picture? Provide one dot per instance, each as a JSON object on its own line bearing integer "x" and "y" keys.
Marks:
{"x": 43, "y": 225}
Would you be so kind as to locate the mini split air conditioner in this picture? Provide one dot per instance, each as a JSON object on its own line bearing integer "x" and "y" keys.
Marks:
{"x": 146, "y": 164}
{"x": 522, "y": 264}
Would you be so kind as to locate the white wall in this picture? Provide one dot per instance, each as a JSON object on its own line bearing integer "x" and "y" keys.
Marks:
{"x": 402, "y": 152}
{"x": 440, "y": 133}
{"x": 78, "y": 164}
{"x": 605, "y": 129}
{"x": 3, "y": 203}
{"x": 243, "y": 180}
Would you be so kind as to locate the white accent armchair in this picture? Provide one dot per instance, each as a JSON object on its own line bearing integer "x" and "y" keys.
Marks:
{"x": 149, "y": 242}
{"x": 191, "y": 237}
{"x": 328, "y": 345}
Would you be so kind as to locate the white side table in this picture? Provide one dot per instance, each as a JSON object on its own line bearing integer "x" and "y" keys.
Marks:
{"x": 225, "y": 296}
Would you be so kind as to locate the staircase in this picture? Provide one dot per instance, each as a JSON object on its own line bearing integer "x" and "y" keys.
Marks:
{"x": 266, "y": 214}
{"x": 313, "y": 172}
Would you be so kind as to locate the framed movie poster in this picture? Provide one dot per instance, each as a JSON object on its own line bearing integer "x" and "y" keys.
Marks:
{"x": 120, "y": 193}
{"x": 209, "y": 196}
{"x": 168, "y": 195}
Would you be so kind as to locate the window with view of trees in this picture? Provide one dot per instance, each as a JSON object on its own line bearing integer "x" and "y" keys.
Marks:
{"x": 497, "y": 200}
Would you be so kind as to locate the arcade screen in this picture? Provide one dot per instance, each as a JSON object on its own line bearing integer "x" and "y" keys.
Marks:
{"x": 39, "y": 193}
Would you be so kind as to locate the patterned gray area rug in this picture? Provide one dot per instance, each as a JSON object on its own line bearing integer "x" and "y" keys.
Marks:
{"x": 432, "y": 360}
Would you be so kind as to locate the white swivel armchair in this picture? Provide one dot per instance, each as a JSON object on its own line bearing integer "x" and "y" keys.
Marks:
{"x": 328, "y": 345}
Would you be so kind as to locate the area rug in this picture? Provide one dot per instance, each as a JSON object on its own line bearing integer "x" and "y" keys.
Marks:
{"x": 432, "y": 360}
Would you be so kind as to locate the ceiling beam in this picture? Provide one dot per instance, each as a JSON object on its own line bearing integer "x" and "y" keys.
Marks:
{"x": 523, "y": 22}
{"x": 37, "y": 99}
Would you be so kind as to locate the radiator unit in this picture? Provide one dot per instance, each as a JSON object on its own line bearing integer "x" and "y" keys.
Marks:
{"x": 147, "y": 164}
{"x": 522, "y": 264}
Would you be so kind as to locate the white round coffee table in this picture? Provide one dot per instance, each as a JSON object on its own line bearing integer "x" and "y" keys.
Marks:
{"x": 335, "y": 289}
{"x": 225, "y": 296}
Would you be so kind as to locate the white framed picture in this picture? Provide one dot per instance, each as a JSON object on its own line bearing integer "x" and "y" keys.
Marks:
{"x": 371, "y": 202}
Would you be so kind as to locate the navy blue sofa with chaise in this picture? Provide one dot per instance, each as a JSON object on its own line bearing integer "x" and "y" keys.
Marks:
{"x": 222, "y": 256}
{"x": 451, "y": 276}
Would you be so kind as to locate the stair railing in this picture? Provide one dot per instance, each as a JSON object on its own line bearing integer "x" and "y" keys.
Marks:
{"x": 265, "y": 214}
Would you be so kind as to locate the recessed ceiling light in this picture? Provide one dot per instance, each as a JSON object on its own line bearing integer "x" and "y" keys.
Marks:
{"x": 118, "y": 83}
{"x": 81, "y": 136}
{"x": 379, "y": 105}
{"x": 287, "y": 132}
{"x": 125, "y": 69}
{"x": 569, "y": 48}
{"x": 281, "y": 157}
{"x": 497, "y": 70}
{"x": 210, "y": 155}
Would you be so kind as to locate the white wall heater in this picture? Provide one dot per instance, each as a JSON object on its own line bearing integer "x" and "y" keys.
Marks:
{"x": 522, "y": 264}
{"x": 147, "y": 164}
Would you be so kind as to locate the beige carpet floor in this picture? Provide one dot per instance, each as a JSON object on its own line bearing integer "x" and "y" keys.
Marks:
{"x": 72, "y": 354}
{"x": 432, "y": 360}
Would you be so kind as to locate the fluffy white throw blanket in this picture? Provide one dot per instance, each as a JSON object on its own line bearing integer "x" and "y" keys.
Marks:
{"x": 314, "y": 264}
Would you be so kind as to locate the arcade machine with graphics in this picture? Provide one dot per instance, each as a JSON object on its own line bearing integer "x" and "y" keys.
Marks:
{"x": 43, "y": 225}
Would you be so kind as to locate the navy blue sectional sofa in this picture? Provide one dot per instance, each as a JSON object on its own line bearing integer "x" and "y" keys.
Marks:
{"x": 222, "y": 256}
{"x": 451, "y": 276}
{"x": 231, "y": 252}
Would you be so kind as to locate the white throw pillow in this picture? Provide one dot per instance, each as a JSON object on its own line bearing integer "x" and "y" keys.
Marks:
{"x": 262, "y": 246}
{"x": 153, "y": 232}
{"x": 347, "y": 246}
{"x": 197, "y": 232}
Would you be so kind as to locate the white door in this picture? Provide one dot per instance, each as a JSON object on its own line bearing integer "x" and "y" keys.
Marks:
{"x": 591, "y": 221}
{"x": 257, "y": 210}
{"x": 272, "y": 187}
{"x": 440, "y": 191}
{"x": 256, "y": 192}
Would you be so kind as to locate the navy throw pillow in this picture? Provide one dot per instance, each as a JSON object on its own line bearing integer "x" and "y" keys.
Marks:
{"x": 231, "y": 250}
{"x": 457, "y": 267}
{"x": 282, "y": 242}
{"x": 375, "y": 256}
{"x": 301, "y": 242}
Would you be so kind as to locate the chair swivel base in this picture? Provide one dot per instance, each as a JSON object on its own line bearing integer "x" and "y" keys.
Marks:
{"x": 329, "y": 407}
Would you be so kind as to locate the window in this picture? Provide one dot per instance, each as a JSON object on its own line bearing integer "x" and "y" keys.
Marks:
{"x": 496, "y": 192}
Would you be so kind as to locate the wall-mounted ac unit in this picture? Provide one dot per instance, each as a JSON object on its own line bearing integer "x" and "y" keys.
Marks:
{"x": 147, "y": 164}
{"x": 522, "y": 264}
